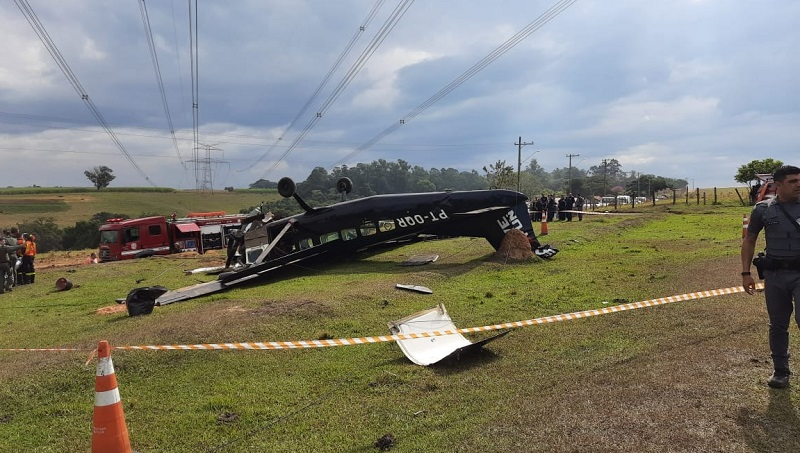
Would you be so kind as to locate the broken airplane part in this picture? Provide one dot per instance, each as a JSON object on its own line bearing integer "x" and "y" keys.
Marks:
{"x": 430, "y": 350}
{"x": 349, "y": 227}
{"x": 415, "y": 288}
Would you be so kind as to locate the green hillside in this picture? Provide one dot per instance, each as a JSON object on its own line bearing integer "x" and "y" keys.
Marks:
{"x": 67, "y": 206}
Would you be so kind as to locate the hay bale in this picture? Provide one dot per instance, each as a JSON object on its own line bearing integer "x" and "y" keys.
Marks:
{"x": 515, "y": 246}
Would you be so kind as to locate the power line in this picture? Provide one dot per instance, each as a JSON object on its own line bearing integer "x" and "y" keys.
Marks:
{"x": 148, "y": 31}
{"x": 194, "y": 63}
{"x": 35, "y": 121}
{"x": 336, "y": 64}
{"x": 377, "y": 40}
{"x": 52, "y": 49}
{"x": 529, "y": 29}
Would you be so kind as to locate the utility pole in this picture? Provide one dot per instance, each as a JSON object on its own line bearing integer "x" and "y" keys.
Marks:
{"x": 520, "y": 144}
{"x": 638, "y": 183}
{"x": 569, "y": 185}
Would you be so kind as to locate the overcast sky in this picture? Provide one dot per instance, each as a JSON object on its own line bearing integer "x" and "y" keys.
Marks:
{"x": 688, "y": 89}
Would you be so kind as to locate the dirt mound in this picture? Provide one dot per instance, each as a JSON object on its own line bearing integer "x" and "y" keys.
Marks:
{"x": 515, "y": 246}
{"x": 111, "y": 309}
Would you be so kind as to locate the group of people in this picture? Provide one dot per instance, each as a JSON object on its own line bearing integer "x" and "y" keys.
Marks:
{"x": 17, "y": 255}
{"x": 561, "y": 208}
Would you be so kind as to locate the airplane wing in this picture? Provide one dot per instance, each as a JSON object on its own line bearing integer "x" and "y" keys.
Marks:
{"x": 190, "y": 292}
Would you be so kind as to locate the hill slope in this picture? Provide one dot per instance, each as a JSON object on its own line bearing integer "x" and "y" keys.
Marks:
{"x": 66, "y": 207}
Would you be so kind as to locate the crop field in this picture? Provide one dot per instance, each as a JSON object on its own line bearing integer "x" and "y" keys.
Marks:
{"x": 67, "y": 207}
{"x": 682, "y": 376}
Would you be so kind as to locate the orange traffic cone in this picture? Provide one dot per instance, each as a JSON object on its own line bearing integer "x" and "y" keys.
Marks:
{"x": 544, "y": 224}
{"x": 745, "y": 223}
{"x": 109, "y": 433}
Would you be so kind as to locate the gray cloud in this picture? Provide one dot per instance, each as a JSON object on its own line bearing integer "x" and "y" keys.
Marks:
{"x": 684, "y": 89}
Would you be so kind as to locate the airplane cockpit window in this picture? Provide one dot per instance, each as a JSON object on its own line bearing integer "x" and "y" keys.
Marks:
{"x": 304, "y": 244}
{"x": 329, "y": 237}
{"x": 367, "y": 229}
{"x": 385, "y": 225}
{"x": 348, "y": 234}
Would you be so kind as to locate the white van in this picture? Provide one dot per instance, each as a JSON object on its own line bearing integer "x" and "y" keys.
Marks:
{"x": 619, "y": 200}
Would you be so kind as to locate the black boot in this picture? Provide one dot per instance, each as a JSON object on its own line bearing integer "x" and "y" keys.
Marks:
{"x": 779, "y": 379}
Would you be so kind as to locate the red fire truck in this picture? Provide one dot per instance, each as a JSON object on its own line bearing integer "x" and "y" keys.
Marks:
{"x": 122, "y": 239}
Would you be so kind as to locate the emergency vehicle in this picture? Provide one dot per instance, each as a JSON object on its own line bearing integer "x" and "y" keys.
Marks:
{"x": 764, "y": 189}
{"x": 122, "y": 239}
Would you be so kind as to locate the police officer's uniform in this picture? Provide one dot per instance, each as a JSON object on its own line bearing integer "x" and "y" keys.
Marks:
{"x": 781, "y": 273}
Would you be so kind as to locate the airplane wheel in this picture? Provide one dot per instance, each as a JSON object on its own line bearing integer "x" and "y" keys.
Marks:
{"x": 344, "y": 185}
{"x": 286, "y": 187}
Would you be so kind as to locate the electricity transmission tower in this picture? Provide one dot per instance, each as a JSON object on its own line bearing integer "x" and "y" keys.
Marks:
{"x": 203, "y": 179}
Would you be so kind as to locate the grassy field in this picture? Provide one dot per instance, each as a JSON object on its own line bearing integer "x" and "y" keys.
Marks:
{"x": 67, "y": 207}
{"x": 686, "y": 376}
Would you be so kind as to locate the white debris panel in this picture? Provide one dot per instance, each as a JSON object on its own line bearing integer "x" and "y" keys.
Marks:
{"x": 430, "y": 350}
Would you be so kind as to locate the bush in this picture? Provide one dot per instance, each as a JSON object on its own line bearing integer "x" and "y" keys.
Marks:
{"x": 48, "y": 235}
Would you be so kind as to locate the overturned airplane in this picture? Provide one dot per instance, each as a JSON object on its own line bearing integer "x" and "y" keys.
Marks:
{"x": 350, "y": 227}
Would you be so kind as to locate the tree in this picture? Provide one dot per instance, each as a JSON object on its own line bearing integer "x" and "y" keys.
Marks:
{"x": 48, "y": 234}
{"x": 500, "y": 175}
{"x": 85, "y": 234}
{"x": 264, "y": 184}
{"x": 609, "y": 173}
{"x": 100, "y": 176}
{"x": 747, "y": 173}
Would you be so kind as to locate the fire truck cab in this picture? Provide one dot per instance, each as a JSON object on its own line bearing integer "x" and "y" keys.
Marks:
{"x": 122, "y": 239}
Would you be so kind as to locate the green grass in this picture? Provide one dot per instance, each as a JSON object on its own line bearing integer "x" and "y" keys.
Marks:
{"x": 67, "y": 206}
{"x": 687, "y": 376}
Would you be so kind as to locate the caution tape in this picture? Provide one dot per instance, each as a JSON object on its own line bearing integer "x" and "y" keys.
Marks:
{"x": 602, "y": 213}
{"x": 326, "y": 343}
{"x": 43, "y": 349}
{"x": 307, "y": 344}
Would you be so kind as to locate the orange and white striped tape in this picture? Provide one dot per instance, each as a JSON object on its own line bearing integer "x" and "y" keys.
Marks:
{"x": 308, "y": 344}
{"x": 42, "y": 349}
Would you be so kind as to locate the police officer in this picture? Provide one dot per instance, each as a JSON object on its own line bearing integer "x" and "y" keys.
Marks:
{"x": 779, "y": 217}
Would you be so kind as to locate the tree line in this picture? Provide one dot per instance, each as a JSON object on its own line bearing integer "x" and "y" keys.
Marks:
{"x": 384, "y": 177}
{"x": 83, "y": 235}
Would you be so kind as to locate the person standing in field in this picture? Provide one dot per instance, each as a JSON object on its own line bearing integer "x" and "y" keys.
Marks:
{"x": 569, "y": 204}
{"x": 10, "y": 238}
{"x": 27, "y": 268}
{"x": 579, "y": 206}
{"x": 551, "y": 207}
{"x": 6, "y": 274}
{"x": 20, "y": 252}
{"x": 779, "y": 217}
